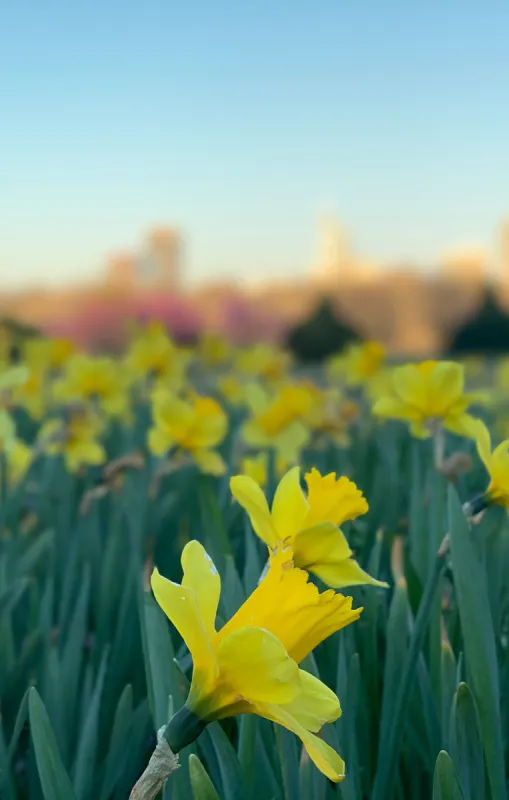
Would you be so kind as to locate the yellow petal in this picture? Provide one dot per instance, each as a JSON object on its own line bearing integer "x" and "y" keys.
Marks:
{"x": 180, "y": 604}
{"x": 252, "y": 499}
{"x": 159, "y": 441}
{"x": 394, "y": 408}
{"x": 332, "y": 500}
{"x": 258, "y": 668}
{"x": 201, "y": 575}
{"x": 315, "y": 704}
{"x": 322, "y": 755}
{"x": 289, "y": 507}
{"x": 461, "y": 425}
{"x": 209, "y": 462}
{"x": 290, "y": 442}
{"x": 482, "y": 437}
{"x": 340, "y": 574}
{"x": 323, "y": 542}
{"x": 445, "y": 385}
{"x": 292, "y": 608}
{"x": 411, "y": 386}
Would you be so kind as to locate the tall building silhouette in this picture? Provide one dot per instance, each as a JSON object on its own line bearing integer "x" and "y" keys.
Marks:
{"x": 335, "y": 256}
{"x": 159, "y": 263}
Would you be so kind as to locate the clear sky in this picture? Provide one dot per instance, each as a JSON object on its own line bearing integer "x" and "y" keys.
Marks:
{"x": 241, "y": 122}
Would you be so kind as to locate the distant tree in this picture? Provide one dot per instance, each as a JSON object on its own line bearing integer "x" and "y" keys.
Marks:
{"x": 487, "y": 331}
{"x": 321, "y": 335}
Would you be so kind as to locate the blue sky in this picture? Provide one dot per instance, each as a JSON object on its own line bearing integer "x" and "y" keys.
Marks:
{"x": 242, "y": 123}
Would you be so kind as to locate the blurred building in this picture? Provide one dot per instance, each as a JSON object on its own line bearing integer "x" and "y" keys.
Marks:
{"x": 159, "y": 262}
{"x": 466, "y": 264}
{"x": 335, "y": 258}
{"x": 156, "y": 265}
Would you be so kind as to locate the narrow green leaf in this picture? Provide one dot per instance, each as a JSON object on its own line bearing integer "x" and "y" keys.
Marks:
{"x": 85, "y": 766}
{"x": 446, "y": 785}
{"x": 55, "y": 782}
{"x": 466, "y": 744}
{"x": 479, "y": 642}
{"x": 231, "y": 773}
{"x": 117, "y": 752}
{"x": 202, "y": 786}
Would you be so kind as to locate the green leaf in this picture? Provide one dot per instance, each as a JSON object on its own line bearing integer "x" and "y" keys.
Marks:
{"x": 229, "y": 767}
{"x": 202, "y": 786}
{"x": 479, "y": 642}
{"x": 446, "y": 785}
{"x": 55, "y": 782}
{"x": 159, "y": 655}
{"x": 117, "y": 752}
{"x": 85, "y": 766}
{"x": 390, "y": 743}
{"x": 466, "y": 745}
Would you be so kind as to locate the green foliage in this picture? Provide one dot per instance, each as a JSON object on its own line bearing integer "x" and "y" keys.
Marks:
{"x": 423, "y": 677}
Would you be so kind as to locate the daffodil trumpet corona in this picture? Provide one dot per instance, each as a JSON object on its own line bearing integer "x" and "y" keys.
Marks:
{"x": 251, "y": 664}
{"x": 310, "y": 524}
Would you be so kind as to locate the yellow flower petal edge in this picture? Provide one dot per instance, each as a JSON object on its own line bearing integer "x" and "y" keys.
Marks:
{"x": 309, "y": 523}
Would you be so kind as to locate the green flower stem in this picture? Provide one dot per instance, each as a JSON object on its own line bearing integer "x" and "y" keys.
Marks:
{"x": 183, "y": 729}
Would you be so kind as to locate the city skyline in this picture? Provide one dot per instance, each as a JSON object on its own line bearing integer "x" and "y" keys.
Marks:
{"x": 241, "y": 126}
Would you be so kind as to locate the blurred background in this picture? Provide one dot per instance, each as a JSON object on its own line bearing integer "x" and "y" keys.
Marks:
{"x": 338, "y": 169}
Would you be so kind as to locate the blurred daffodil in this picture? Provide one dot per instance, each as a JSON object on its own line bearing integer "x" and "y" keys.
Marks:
{"x": 309, "y": 524}
{"x": 496, "y": 462}
{"x": 153, "y": 355}
{"x": 48, "y": 354}
{"x": 263, "y": 361}
{"x": 194, "y": 426}
{"x": 256, "y": 468}
{"x": 232, "y": 389}
{"x": 213, "y": 350}
{"x": 276, "y": 422}
{"x": 429, "y": 395}
{"x": 250, "y": 666}
{"x": 358, "y": 363}
{"x": 96, "y": 380}
{"x": 76, "y": 438}
{"x": 18, "y": 456}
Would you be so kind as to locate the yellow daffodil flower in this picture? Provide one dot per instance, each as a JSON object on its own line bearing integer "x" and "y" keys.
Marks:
{"x": 17, "y": 457}
{"x": 256, "y": 468}
{"x": 48, "y": 354}
{"x": 34, "y": 394}
{"x": 263, "y": 361}
{"x": 232, "y": 389}
{"x": 195, "y": 426}
{"x": 496, "y": 462}
{"x": 309, "y": 524}
{"x": 358, "y": 363}
{"x": 76, "y": 438}
{"x": 276, "y": 422}
{"x": 152, "y": 354}
{"x": 250, "y": 666}
{"x": 429, "y": 395}
{"x": 213, "y": 350}
{"x": 98, "y": 380}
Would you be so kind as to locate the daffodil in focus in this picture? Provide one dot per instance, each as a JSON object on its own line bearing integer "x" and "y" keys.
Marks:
{"x": 309, "y": 524}
{"x": 250, "y": 666}
{"x": 277, "y": 422}
{"x": 496, "y": 462}
{"x": 75, "y": 438}
{"x": 195, "y": 426}
{"x": 429, "y": 396}
{"x": 99, "y": 381}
